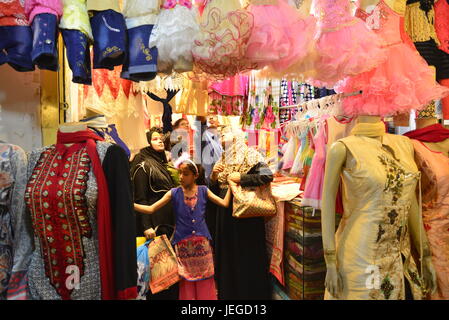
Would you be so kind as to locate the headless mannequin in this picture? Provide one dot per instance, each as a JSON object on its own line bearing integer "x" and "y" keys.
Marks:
{"x": 336, "y": 161}
{"x": 442, "y": 146}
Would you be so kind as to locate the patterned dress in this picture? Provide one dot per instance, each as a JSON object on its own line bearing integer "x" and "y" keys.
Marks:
{"x": 12, "y": 186}
{"x": 373, "y": 241}
{"x": 435, "y": 170}
{"x": 192, "y": 237}
{"x": 61, "y": 199}
{"x": 45, "y": 278}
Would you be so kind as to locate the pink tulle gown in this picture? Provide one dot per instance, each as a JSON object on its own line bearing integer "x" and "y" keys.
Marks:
{"x": 402, "y": 83}
{"x": 346, "y": 47}
{"x": 281, "y": 35}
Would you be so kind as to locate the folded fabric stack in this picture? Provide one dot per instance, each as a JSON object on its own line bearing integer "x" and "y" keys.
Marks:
{"x": 305, "y": 269}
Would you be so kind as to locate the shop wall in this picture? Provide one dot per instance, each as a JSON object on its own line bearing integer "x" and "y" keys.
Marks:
{"x": 19, "y": 108}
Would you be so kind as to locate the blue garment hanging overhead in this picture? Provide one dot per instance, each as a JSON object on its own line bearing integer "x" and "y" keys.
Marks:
{"x": 167, "y": 115}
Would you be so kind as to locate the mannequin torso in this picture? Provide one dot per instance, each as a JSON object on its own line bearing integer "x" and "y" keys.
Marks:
{"x": 347, "y": 158}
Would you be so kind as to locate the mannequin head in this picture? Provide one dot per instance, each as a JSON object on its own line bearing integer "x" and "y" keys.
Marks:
{"x": 72, "y": 127}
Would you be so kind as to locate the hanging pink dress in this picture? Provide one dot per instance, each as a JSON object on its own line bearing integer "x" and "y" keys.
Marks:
{"x": 331, "y": 130}
{"x": 346, "y": 47}
{"x": 228, "y": 96}
{"x": 435, "y": 169}
{"x": 314, "y": 182}
{"x": 402, "y": 83}
{"x": 281, "y": 35}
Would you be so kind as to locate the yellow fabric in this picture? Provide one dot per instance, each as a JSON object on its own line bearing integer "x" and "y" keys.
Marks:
{"x": 398, "y": 6}
{"x": 301, "y": 70}
{"x": 369, "y": 129}
{"x": 141, "y": 12}
{"x": 373, "y": 232}
{"x": 140, "y": 241}
{"x": 101, "y": 5}
{"x": 419, "y": 26}
{"x": 75, "y": 17}
{"x": 194, "y": 98}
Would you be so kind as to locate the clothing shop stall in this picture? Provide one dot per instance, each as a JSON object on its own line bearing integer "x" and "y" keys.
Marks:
{"x": 266, "y": 149}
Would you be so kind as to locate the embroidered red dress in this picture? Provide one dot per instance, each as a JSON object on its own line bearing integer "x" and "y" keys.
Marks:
{"x": 56, "y": 197}
{"x": 79, "y": 201}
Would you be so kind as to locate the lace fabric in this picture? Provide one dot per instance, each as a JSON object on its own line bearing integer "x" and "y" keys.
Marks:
{"x": 172, "y": 35}
{"x": 393, "y": 87}
{"x": 221, "y": 44}
{"x": 340, "y": 36}
{"x": 332, "y": 14}
{"x": 273, "y": 43}
{"x": 419, "y": 25}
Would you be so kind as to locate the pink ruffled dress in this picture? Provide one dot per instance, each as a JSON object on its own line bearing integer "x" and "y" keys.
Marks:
{"x": 346, "y": 47}
{"x": 281, "y": 36}
{"x": 402, "y": 83}
{"x": 314, "y": 184}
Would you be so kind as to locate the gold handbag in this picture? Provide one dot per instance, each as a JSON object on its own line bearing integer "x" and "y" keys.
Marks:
{"x": 252, "y": 202}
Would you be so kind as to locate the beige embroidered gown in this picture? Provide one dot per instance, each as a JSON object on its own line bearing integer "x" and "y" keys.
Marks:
{"x": 373, "y": 240}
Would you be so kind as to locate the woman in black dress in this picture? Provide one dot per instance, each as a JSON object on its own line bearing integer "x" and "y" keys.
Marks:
{"x": 242, "y": 266}
{"x": 151, "y": 180}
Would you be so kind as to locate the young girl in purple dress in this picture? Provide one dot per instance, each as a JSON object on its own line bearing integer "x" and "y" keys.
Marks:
{"x": 192, "y": 237}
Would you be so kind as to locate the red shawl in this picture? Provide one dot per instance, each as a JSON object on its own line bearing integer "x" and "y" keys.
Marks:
{"x": 433, "y": 133}
{"x": 89, "y": 138}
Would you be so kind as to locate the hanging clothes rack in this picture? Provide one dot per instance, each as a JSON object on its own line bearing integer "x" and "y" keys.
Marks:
{"x": 314, "y": 101}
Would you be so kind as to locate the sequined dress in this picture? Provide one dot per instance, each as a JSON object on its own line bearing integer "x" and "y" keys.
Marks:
{"x": 373, "y": 240}
{"x": 12, "y": 187}
{"x": 61, "y": 198}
